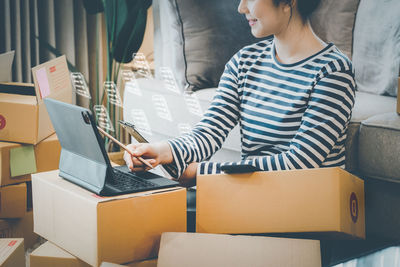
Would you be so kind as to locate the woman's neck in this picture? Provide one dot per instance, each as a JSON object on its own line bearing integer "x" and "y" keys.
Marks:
{"x": 296, "y": 42}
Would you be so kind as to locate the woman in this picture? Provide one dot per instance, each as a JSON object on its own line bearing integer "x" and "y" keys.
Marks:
{"x": 291, "y": 95}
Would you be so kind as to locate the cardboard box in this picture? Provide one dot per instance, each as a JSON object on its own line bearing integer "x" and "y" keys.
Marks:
{"x": 13, "y": 201}
{"x": 113, "y": 229}
{"x": 20, "y": 228}
{"x": 5, "y": 172}
{"x": 47, "y": 154}
{"x": 23, "y": 115}
{"x": 12, "y": 252}
{"x": 23, "y": 228}
{"x": 46, "y": 158}
{"x": 192, "y": 249}
{"x": 146, "y": 263}
{"x": 5, "y": 229}
{"x": 49, "y": 255}
{"x": 326, "y": 201}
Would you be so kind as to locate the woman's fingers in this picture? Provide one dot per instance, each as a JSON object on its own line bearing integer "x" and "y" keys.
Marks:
{"x": 139, "y": 150}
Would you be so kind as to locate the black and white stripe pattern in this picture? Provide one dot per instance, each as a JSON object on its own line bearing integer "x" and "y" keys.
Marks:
{"x": 291, "y": 116}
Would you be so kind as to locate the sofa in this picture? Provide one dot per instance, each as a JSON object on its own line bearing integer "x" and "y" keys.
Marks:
{"x": 193, "y": 39}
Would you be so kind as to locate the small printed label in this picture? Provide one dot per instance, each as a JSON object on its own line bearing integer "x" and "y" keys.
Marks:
{"x": 353, "y": 207}
{"x": 12, "y": 243}
{"x": 2, "y": 122}
{"x": 52, "y": 69}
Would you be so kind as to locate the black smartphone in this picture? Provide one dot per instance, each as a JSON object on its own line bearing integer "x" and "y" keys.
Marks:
{"x": 138, "y": 137}
{"x": 242, "y": 168}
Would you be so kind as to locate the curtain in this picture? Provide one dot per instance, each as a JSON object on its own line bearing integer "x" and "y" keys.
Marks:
{"x": 31, "y": 27}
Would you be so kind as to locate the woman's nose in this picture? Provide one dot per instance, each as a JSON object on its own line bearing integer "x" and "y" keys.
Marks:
{"x": 242, "y": 8}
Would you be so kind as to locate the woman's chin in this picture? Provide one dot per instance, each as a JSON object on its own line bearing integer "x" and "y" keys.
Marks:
{"x": 258, "y": 34}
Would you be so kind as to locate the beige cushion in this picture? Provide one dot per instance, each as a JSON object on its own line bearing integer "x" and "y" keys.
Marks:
{"x": 333, "y": 22}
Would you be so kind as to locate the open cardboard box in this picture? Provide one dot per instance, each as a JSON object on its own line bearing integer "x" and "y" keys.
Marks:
{"x": 325, "y": 203}
{"x": 23, "y": 115}
{"x": 115, "y": 229}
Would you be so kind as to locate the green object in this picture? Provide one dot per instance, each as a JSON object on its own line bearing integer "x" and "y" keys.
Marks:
{"x": 22, "y": 160}
{"x": 126, "y": 24}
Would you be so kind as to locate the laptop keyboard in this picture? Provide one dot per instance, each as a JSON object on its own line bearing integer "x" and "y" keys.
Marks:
{"x": 124, "y": 181}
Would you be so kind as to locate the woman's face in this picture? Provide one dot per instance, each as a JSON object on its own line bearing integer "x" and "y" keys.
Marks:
{"x": 264, "y": 17}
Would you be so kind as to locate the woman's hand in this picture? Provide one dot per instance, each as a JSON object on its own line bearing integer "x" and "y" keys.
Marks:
{"x": 157, "y": 153}
{"x": 188, "y": 178}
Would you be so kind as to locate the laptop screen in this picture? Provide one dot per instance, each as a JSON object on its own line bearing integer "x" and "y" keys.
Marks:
{"x": 83, "y": 156}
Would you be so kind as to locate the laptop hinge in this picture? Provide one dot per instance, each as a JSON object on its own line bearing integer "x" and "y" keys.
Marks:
{"x": 82, "y": 171}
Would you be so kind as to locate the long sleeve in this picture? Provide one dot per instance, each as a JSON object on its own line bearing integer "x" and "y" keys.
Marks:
{"x": 322, "y": 129}
{"x": 210, "y": 133}
{"x": 292, "y": 116}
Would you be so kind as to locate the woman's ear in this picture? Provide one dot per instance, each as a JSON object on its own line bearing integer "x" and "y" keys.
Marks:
{"x": 289, "y": 6}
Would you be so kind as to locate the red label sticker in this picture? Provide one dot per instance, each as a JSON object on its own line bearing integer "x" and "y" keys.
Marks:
{"x": 52, "y": 69}
{"x": 97, "y": 196}
{"x": 353, "y": 207}
{"x": 2, "y": 122}
{"x": 12, "y": 243}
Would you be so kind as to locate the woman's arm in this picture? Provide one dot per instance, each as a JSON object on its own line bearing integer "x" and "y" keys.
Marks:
{"x": 209, "y": 134}
{"x": 324, "y": 124}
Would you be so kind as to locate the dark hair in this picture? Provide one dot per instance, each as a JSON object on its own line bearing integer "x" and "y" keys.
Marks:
{"x": 305, "y": 7}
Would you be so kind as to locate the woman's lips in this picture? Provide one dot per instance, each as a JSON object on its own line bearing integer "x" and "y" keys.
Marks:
{"x": 252, "y": 22}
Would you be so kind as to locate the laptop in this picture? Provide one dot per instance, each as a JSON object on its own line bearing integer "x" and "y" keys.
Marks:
{"x": 84, "y": 160}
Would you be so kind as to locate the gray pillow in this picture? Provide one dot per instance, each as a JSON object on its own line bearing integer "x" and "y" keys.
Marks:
{"x": 376, "y": 56}
{"x": 196, "y": 38}
{"x": 333, "y": 22}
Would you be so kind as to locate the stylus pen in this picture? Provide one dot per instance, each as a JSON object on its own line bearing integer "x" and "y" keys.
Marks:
{"x": 124, "y": 147}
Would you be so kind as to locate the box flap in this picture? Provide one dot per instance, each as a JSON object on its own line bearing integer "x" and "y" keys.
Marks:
{"x": 193, "y": 249}
{"x": 48, "y": 249}
{"x": 17, "y": 99}
{"x": 52, "y": 79}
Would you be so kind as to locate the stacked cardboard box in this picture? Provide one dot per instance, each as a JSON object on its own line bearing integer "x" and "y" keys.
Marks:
{"x": 115, "y": 229}
{"x": 28, "y": 143}
{"x": 49, "y": 255}
{"x": 323, "y": 203}
{"x": 12, "y": 252}
{"x": 189, "y": 249}
{"x": 17, "y": 163}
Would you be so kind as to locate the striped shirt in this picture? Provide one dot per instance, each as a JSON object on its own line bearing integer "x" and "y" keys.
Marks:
{"x": 291, "y": 116}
